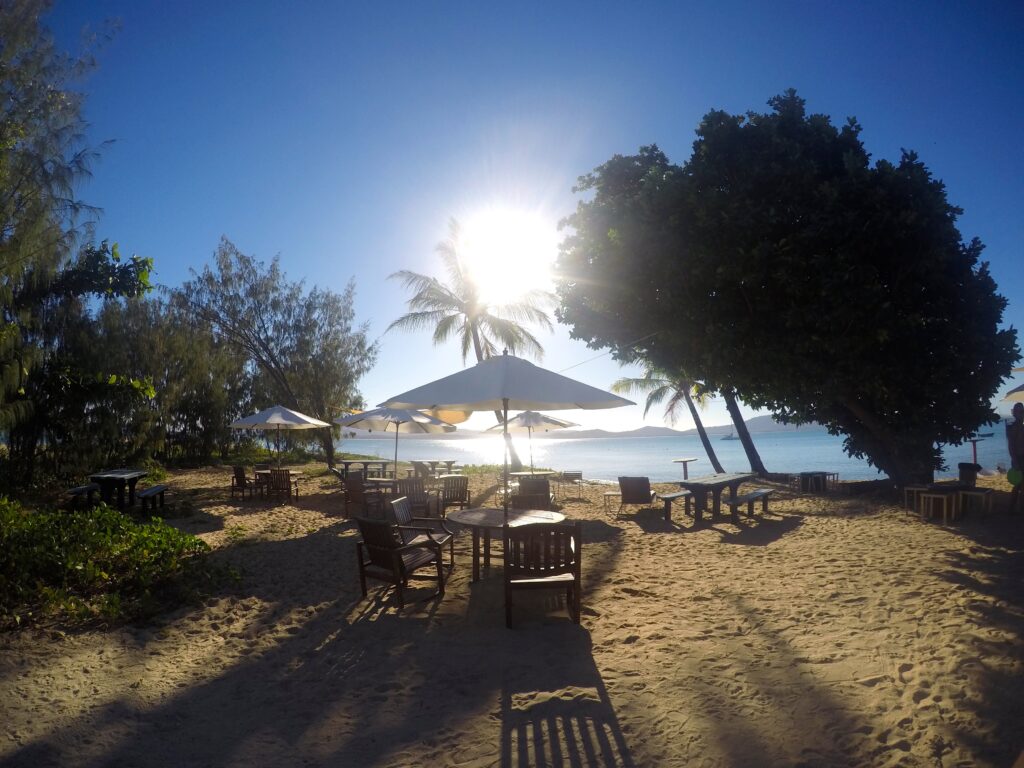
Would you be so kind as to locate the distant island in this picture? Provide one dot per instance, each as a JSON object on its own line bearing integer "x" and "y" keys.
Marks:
{"x": 756, "y": 425}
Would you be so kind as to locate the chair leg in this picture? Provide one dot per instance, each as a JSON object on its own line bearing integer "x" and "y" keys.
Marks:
{"x": 508, "y": 607}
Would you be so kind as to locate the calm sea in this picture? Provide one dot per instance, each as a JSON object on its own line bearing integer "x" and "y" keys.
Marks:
{"x": 607, "y": 458}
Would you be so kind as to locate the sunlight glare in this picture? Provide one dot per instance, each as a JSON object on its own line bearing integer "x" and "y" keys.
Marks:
{"x": 508, "y": 252}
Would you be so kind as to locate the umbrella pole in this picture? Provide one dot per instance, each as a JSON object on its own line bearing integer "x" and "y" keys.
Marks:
{"x": 504, "y": 429}
{"x": 529, "y": 435}
{"x": 278, "y": 441}
{"x": 396, "y": 453}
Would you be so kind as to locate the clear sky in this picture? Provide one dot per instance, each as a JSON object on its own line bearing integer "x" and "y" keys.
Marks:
{"x": 343, "y": 136}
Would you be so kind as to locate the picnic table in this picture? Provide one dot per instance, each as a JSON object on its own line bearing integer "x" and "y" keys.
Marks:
{"x": 714, "y": 484}
{"x": 110, "y": 480}
{"x": 366, "y": 464}
{"x": 433, "y": 464}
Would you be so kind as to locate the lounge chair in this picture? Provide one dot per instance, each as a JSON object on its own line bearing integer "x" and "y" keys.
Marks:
{"x": 543, "y": 556}
{"x": 636, "y": 490}
{"x": 572, "y": 477}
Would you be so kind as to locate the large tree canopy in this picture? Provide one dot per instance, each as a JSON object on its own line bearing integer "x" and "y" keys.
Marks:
{"x": 778, "y": 262}
{"x": 303, "y": 343}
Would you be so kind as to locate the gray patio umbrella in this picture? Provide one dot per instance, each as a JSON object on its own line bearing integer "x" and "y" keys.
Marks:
{"x": 504, "y": 382}
{"x": 403, "y": 419}
{"x": 277, "y": 418}
{"x": 528, "y": 421}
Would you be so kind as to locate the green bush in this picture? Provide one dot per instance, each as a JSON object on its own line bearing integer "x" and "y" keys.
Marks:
{"x": 91, "y": 564}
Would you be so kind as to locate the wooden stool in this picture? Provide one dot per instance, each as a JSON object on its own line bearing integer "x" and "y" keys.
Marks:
{"x": 984, "y": 495}
{"x": 928, "y": 501}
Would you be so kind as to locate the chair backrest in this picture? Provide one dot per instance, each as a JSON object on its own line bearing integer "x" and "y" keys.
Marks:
{"x": 635, "y": 490}
{"x": 354, "y": 487}
{"x": 262, "y": 466}
{"x": 338, "y": 474}
{"x": 455, "y": 488}
{"x": 420, "y": 469}
{"x": 413, "y": 488}
{"x": 572, "y": 476}
{"x": 542, "y": 549}
{"x": 401, "y": 510}
{"x": 240, "y": 477}
{"x": 380, "y": 537}
{"x": 534, "y": 485}
{"x": 529, "y": 501}
{"x": 280, "y": 479}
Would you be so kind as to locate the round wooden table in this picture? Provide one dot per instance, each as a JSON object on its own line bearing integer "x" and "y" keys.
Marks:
{"x": 485, "y": 520}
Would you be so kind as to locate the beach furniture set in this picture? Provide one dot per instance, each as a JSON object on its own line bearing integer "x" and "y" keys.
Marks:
{"x": 266, "y": 481}
{"x": 118, "y": 486}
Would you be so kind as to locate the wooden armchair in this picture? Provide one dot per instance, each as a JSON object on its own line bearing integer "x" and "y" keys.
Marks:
{"x": 240, "y": 483}
{"x": 544, "y": 556}
{"x": 368, "y": 501}
{"x": 537, "y": 487}
{"x": 382, "y": 555}
{"x": 528, "y": 501}
{"x": 414, "y": 489}
{"x": 454, "y": 493}
{"x": 413, "y": 529}
{"x": 636, "y": 490}
{"x": 281, "y": 481}
{"x": 261, "y": 480}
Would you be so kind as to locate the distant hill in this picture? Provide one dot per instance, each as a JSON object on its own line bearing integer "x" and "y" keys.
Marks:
{"x": 756, "y": 425}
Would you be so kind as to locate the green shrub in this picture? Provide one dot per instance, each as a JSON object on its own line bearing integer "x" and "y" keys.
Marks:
{"x": 91, "y": 564}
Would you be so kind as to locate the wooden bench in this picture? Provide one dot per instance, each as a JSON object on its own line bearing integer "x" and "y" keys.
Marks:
{"x": 668, "y": 498}
{"x": 983, "y": 495}
{"x": 749, "y": 499}
{"x": 148, "y": 496}
{"x": 86, "y": 490}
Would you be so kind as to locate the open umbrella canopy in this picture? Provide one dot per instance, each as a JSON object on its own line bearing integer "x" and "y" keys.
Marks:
{"x": 402, "y": 419}
{"x": 277, "y": 418}
{"x": 1015, "y": 395}
{"x": 502, "y": 382}
{"x": 530, "y": 421}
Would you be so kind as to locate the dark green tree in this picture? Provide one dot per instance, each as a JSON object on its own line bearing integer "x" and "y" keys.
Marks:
{"x": 779, "y": 264}
{"x": 303, "y": 343}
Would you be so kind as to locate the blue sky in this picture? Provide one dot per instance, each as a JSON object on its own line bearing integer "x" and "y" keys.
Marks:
{"x": 343, "y": 136}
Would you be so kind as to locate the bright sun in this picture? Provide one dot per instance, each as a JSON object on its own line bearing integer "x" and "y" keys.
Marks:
{"x": 508, "y": 252}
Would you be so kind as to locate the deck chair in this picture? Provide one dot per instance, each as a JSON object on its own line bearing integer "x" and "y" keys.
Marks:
{"x": 543, "y": 556}
{"x": 454, "y": 493}
{"x": 636, "y": 490}
{"x": 415, "y": 490}
{"x": 369, "y": 501}
{"x": 240, "y": 483}
{"x": 382, "y": 555}
{"x": 413, "y": 529}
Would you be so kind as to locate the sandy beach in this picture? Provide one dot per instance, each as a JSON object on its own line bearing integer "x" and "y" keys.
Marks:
{"x": 832, "y": 631}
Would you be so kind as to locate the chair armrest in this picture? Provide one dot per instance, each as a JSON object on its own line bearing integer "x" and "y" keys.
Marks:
{"x": 435, "y": 521}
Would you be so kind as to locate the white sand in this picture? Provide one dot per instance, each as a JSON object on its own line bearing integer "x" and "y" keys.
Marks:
{"x": 833, "y": 631}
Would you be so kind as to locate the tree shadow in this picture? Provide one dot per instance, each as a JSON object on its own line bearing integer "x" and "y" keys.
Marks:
{"x": 759, "y": 531}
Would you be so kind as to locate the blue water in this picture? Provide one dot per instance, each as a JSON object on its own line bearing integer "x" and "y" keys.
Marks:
{"x": 606, "y": 458}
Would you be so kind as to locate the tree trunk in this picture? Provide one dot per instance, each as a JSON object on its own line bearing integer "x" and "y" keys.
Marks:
{"x": 744, "y": 434}
{"x": 703, "y": 433}
{"x": 328, "y": 442}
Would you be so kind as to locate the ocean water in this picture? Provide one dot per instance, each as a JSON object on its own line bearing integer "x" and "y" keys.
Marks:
{"x": 801, "y": 450}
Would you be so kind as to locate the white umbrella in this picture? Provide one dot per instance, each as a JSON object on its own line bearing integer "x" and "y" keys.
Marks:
{"x": 528, "y": 421}
{"x": 277, "y": 418}
{"x": 504, "y": 382}
{"x": 404, "y": 420}
{"x": 1015, "y": 395}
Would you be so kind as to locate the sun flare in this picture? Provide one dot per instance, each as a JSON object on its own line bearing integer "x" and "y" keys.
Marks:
{"x": 508, "y": 252}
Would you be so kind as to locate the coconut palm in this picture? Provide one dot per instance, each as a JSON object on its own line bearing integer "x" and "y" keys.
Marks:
{"x": 678, "y": 389}
{"x": 455, "y": 309}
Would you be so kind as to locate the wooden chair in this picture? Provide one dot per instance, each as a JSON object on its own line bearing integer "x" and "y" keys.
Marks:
{"x": 572, "y": 477}
{"x": 454, "y": 493}
{"x": 528, "y": 501}
{"x": 261, "y": 481}
{"x": 538, "y": 486}
{"x": 369, "y": 502}
{"x": 414, "y": 489}
{"x": 281, "y": 481}
{"x": 636, "y": 490}
{"x": 544, "y": 556}
{"x": 382, "y": 555}
{"x": 240, "y": 483}
{"x": 413, "y": 529}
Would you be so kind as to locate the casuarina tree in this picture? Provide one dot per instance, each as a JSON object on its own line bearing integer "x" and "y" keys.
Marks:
{"x": 781, "y": 264}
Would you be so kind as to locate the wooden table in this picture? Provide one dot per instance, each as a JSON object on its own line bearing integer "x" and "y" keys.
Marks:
{"x": 538, "y": 473}
{"x": 366, "y": 464}
{"x": 700, "y": 487}
{"x": 110, "y": 480}
{"x": 814, "y": 481}
{"x": 484, "y": 520}
{"x": 684, "y": 462}
{"x": 432, "y": 463}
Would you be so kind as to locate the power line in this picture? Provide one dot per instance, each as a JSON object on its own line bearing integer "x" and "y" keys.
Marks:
{"x": 607, "y": 352}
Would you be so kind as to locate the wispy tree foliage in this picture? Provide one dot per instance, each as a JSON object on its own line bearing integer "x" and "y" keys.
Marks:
{"x": 779, "y": 263}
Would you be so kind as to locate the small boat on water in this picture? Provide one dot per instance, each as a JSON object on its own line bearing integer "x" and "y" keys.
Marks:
{"x": 730, "y": 436}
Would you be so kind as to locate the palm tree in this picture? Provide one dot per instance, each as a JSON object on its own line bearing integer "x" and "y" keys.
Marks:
{"x": 678, "y": 389}
{"x": 731, "y": 403}
{"x": 456, "y": 310}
